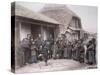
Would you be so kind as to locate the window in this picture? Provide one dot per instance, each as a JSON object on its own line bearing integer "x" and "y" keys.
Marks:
{"x": 75, "y": 23}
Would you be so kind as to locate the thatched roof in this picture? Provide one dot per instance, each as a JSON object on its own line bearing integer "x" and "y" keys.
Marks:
{"x": 19, "y": 10}
{"x": 60, "y": 13}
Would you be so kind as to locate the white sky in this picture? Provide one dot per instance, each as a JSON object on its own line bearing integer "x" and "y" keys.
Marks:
{"x": 88, "y": 14}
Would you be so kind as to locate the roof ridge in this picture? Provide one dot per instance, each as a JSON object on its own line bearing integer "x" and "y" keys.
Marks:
{"x": 24, "y": 11}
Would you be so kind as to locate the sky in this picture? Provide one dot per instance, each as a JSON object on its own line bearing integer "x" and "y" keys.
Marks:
{"x": 88, "y": 14}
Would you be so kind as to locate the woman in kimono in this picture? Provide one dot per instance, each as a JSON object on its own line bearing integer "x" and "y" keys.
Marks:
{"x": 90, "y": 54}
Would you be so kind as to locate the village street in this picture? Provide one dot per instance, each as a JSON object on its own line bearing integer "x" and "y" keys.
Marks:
{"x": 53, "y": 65}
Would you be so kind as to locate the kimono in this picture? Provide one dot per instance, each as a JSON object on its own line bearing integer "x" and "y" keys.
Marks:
{"x": 68, "y": 52}
{"x": 34, "y": 54}
{"x": 90, "y": 54}
{"x": 26, "y": 46}
{"x": 55, "y": 51}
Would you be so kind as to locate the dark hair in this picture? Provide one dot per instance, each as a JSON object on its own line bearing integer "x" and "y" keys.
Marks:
{"x": 29, "y": 36}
